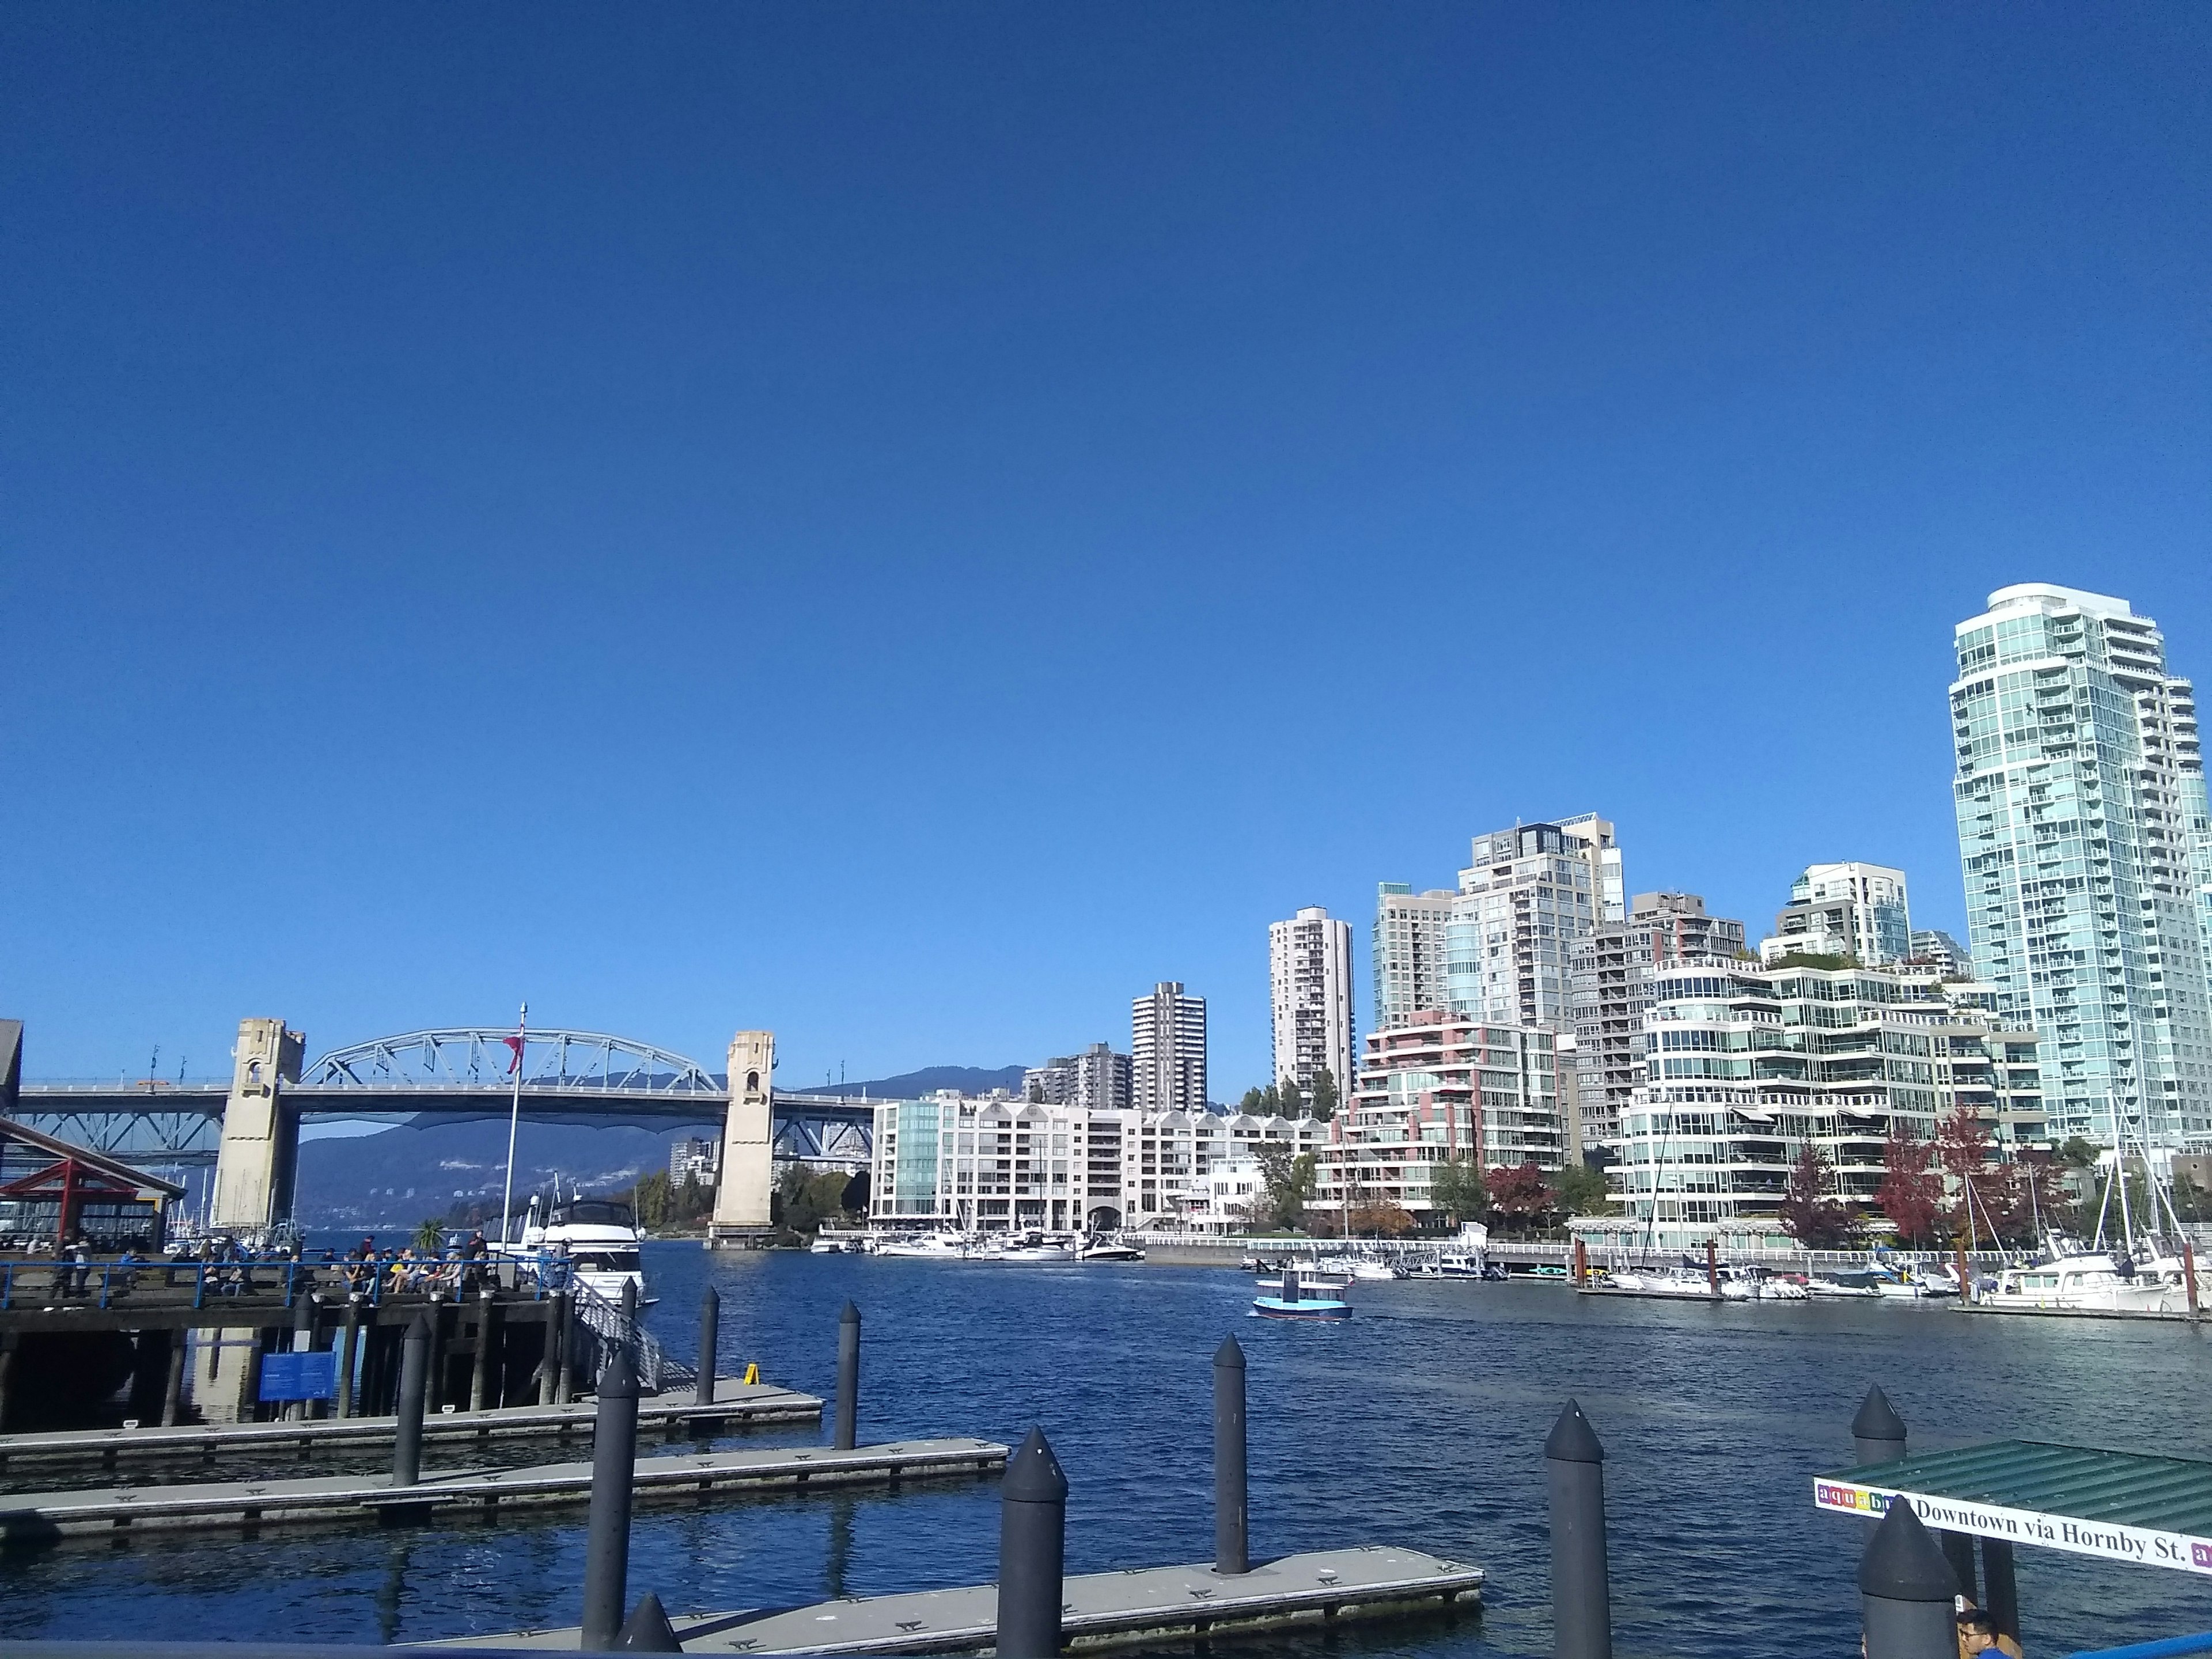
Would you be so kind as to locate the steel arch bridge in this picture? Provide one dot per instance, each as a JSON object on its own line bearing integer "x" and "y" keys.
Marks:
{"x": 590, "y": 1079}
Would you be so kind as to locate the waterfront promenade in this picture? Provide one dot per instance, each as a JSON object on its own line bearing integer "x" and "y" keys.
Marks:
{"x": 1422, "y": 1419}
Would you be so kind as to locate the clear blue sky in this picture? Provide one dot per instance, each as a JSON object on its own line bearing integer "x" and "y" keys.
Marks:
{"x": 905, "y": 524}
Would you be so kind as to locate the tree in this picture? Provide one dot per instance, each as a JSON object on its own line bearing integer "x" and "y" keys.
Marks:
{"x": 1286, "y": 1182}
{"x": 1912, "y": 1191}
{"x": 1254, "y": 1104}
{"x": 1325, "y": 1100}
{"x": 430, "y": 1235}
{"x": 803, "y": 1200}
{"x": 1582, "y": 1190}
{"x": 1381, "y": 1220}
{"x": 1457, "y": 1189}
{"x": 1962, "y": 1150}
{"x": 2022, "y": 1199}
{"x": 1289, "y": 1100}
{"x": 1519, "y": 1197}
{"x": 1808, "y": 1215}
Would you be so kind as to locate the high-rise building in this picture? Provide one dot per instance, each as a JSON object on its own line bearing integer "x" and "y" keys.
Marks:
{"x": 1167, "y": 1049}
{"x": 1527, "y": 895}
{"x": 1747, "y": 1065}
{"x": 2080, "y": 781}
{"x": 1310, "y": 981}
{"x": 1934, "y": 945}
{"x": 1854, "y": 910}
{"x": 1610, "y": 990}
{"x": 1097, "y": 1079}
{"x": 1409, "y": 952}
{"x": 1443, "y": 1090}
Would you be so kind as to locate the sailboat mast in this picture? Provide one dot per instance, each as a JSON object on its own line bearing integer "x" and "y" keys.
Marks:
{"x": 514, "y": 1119}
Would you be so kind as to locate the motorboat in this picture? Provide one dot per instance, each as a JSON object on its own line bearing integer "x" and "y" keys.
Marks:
{"x": 599, "y": 1237}
{"x": 1330, "y": 1283}
{"x": 1297, "y": 1298}
{"x": 1755, "y": 1284}
{"x": 1036, "y": 1248}
{"x": 1356, "y": 1266}
{"x": 1655, "y": 1282}
{"x": 933, "y": 1247}
{"x": 1109, "y": 1249}
{"x": 2113, "y": 1283}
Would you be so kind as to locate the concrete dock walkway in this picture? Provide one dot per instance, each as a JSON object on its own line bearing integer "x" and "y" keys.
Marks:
{"x": 31, "y": 1518}
{"x": 1103, "y": 1610}
{"x": 735, "y": 1402}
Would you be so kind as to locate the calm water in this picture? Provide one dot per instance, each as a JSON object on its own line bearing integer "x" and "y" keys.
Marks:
{"x": 1421, "y": 1421}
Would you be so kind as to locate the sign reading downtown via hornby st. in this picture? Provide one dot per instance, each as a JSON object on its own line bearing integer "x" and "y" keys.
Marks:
{"x": 2107, "y": 1539}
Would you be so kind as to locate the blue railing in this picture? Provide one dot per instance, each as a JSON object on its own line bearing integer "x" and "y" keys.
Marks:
{"x": 49, "y": 1283}
{"x": 2172, "y": 1647}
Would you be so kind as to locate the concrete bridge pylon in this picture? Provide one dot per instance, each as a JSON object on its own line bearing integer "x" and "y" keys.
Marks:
{"x": 259, "y": 1157}
{"x": 747, "y": 1173}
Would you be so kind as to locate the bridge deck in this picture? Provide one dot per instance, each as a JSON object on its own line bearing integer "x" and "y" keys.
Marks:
{"x": 43, "y": 1517}
{"x": 736, "y": 1403}
{"x": 1101, "y": 1609}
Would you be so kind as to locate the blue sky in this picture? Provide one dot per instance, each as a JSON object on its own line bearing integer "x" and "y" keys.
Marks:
{"x": 906, "y": 525}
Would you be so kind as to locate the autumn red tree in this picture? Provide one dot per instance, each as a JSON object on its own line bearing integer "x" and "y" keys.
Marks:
{"x": 1912, "y": 1191}
{"x": 1962, "y": 1152}
{"x": 1520, "y": 1198}
{"x": 1808, "y": 1213}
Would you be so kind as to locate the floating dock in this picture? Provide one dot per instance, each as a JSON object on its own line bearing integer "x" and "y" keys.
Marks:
{"x": 1103, "y": 1610}
{"x": 34, "y": 1517}
{"x": 736, "y": 1404}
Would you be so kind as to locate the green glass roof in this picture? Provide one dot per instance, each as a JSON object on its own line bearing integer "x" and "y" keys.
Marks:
{"x": 2122, "y": 1506}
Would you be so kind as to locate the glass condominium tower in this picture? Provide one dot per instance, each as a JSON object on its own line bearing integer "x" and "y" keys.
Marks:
{"x": 2082, "y": 834}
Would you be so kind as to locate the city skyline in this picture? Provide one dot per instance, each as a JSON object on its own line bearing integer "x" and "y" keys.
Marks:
{"x": 659, "y": 547}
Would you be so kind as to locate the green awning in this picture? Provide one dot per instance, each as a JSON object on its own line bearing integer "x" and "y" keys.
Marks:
{"x": 2117, "y": 1506}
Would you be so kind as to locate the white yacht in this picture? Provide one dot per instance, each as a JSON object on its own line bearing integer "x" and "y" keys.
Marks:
{"x": 2113, "y": 1283}
{"x": 1036, "y": 1248}
{"x": 934, "y": 1247}
{"x": 1109, "y": 1249}
{"x": 598, "y": 1236}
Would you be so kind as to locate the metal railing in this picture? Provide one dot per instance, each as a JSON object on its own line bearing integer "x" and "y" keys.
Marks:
{"x": 656, "y": 1371}
{"x": 63, "y": 1282}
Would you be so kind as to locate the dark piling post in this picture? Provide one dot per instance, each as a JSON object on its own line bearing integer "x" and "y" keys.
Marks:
{"x": 1877, "y": 1432}
{"x": 849, "y": 1378}
{"x": 1581, "y": 1606}
{"x": 1712, "y": 1267}
{"x": 172, "y": 1386}
{"x": 348, "y": 1335}
{"x": 303, "y": 1338}
{"x": 647, "y": 1630}
{"x": 1032, "y": 1551}
{"x": 480, "y": 1372}
{"x": 628, "y": 1309}
{"x": 710, "y": 1337}
{"x": 1231, "y": 1542}
{"x": 2000, "y": 1590}
{"x": 1905, "y": 1591}
{"x": 565, "y": 1339}
{"x": 614, "y": 1469}
{"x": 414, "y": 1389}
{"x": 1959, "y": 1553}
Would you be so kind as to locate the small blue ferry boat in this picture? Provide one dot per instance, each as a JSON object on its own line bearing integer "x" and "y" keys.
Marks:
{"x": 1297, "y": 1303}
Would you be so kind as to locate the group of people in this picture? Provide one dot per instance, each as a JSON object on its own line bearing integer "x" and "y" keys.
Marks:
{"x": 407, "y": 1271}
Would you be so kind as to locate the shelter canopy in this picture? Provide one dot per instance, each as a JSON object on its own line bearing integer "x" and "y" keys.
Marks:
{"x": 2116, "y": 1506}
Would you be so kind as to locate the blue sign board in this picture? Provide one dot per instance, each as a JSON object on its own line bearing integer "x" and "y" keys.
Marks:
{"x": 300, "y": 1376}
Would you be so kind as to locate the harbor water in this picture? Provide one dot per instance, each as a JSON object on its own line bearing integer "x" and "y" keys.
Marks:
{"x": 1420, "y": 1421}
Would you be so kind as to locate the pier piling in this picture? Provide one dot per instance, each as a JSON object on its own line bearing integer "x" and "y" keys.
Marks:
{"x": 1232, "y": 1544}
{"x": 849, "y": 1378}
{"x": 172, "y": 1386}
{"x": 647, "y": 1630}
{"x": 1032, "y": 1551}
{"x": 1877, "y": 1432}
{"x": 1581, "y": 1605}
{"x": 1905, "y": 1591}
{"x": 2000, "y": 1589}
{"x": 348, "y": 1339}
{"x": 413, "y": 1386}
{"x": 710, "y": 1336}
{"x": 606, "y": 1542}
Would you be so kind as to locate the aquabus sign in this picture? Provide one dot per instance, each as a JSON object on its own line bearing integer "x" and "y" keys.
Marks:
{"x": 2107, "y": 1541}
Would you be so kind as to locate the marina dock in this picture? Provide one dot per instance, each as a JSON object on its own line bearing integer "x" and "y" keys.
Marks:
{"x": 34, "y": 1517}
{"x": 1103, "y": 1610}
{"x": 735, "y": 1405}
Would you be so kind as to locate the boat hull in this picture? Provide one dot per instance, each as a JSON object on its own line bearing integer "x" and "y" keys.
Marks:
{"x": 1274, "y": 1307}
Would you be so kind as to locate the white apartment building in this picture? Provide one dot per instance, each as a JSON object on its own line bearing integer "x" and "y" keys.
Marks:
{"x": 1938, "y": 948}
{"x": 2084, "y": 842}
{"x": 1310, "y": 984}
{"x": 1609, "y": 992}
{"x": 1448, "y": 1089}
{"x": 691, "y": 1158}
{"x": 1745, "y": 1065}
{"x": 984, "y": 1162}
{"x": 1856, "y": 910}
{"x": 1505, "y": 937}
{"x": 1097, "y": 1079}
{"x": 1167, "y": 1050}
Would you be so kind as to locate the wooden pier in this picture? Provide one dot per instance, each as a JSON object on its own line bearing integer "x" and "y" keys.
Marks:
{"x": 34, "y": 1517}
{"x": 1323, "y": 1588}
{"x": 736, "y": 1405}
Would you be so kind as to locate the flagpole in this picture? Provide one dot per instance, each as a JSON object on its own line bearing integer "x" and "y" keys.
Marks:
{"x": 514, "y": 1119}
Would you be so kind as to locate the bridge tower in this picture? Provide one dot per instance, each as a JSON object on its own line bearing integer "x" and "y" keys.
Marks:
{"x": 742, "y": 1185}
{"x": 260, "y": 1151}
